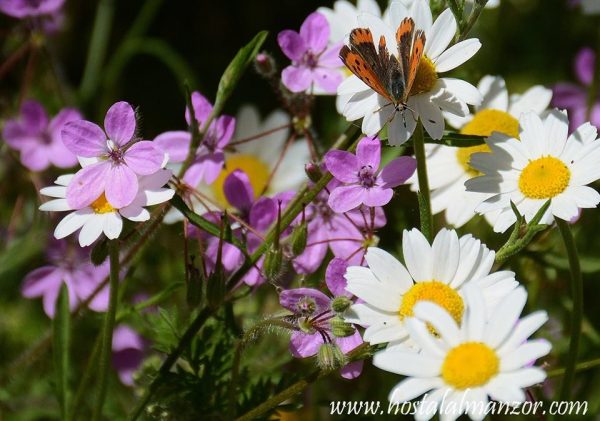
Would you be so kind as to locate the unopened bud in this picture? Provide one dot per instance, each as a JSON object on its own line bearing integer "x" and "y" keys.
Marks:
{"x": 341, "y": 304}
{"x": 313, "y": 171}
{"x": 341, "y": 328}
{"x": 298, "y": 238}
{"x": 273, "y": 263}
{"x": 265, "y": 64}
{"x": 330, "y": 357}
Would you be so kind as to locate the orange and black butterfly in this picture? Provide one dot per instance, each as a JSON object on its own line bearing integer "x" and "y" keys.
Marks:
{"x": 387, "y": 75}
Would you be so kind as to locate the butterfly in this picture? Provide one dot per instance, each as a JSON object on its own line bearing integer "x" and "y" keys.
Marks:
{"x": 390, "y": 77}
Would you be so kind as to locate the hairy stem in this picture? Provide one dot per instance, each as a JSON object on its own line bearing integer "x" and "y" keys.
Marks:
{"x": 424, "y": 198}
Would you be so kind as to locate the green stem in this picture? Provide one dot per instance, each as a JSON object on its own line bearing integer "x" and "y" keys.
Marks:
{"x": 424, "y": 198}
{"x": 582, "y": 366}
{"x": 107, "y": 330}
{"x": 88, "y": 374}
{"x": 577, "y": 316}
{"x": 356, "y": 354}
{"x": 97, "y": 49}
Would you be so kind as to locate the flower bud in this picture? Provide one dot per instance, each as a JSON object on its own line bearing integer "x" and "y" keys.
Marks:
{"x": 298, "y": 238}
{"x": 273, "y": 265}
{"x": 341, "y": 304}
{"x": 330, "y": 357}
{"x": 265, "y": 64}
{"x": 99, "y": 252}
{"x": 340, "y": 328}
{"x": 313, "y": 171}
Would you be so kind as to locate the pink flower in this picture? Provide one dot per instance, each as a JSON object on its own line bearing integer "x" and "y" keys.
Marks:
{"x": 312, "y": 62}
{"x": 312, "y": 311}
{"x": 72, "y": 266}
{"x": 30, "y": 8}
{"x": 120, "y": 158}
{"x": 364, "y": 183}
{"x": 344, "y": 233}
{"x": 38, "y": 138}
{"x": 210, "y": 157}
{"x": 128, "y": 349}
{"x": 575, "y": 97}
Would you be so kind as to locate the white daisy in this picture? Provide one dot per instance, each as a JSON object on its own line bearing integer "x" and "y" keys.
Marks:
{"x": 460, "y": 368}
{"x": 272, "y": 165}
{"x": 449, "y": 166}
{"x": 435, "y": 273}
{"x": 100, "y": 217}
{"x": 430, "y": 95}
{"x": 546, "y": 164}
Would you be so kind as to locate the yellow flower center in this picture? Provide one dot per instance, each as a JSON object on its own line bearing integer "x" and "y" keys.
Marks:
{"x": 470, "y": 364}
{"x": 255, "y": 169}
{"x": 436, "y": 292}
{"x": 425, "y": 78}
{"x": 101, "y": 205}
{"x": 484, "y": 123}
{"x": 544, "y": 178}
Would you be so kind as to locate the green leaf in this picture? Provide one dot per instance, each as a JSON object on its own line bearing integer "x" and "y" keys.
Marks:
{"x": 61, "y": 327}
{"x": 456, "y": 139}
{"x": 236, "y": 68}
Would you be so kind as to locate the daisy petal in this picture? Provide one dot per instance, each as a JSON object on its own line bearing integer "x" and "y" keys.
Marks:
{"x": 457, "y": 55}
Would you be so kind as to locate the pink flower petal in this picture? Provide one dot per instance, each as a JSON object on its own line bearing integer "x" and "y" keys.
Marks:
{"x": 377, "y": 196}
{"x": 296, "y": 78}
{"x": 315, "y": 32}
{"x": 84, "y": 138}
{"x": 34, "y": 117}
{"x": 238, "y": 190}
{"x": 585, "y": 64}
{"x": 144, "y": 158}
{"x": 263, "y": 213}
{"x": 64, "y": 116}
{"x": 120, "y": 123}
{"x": 60, "y": 156}
{"x": 87, "y": 185}
{"x": 223, "y": 129}
{"x": 35, "y": 156}
{"x": 314, "y": 253}
{"x": 343, "y": 165}
{"x": 292, "y": 44}
{"x": 331, "y": 56}
{"x": 568, "y": 95}
{"x": 175, "y": 143}
{"x": 121, "y": 186}
{"x": 37, "y": 282}
{"x": 345, "y": 198}
{"x": 303, "y": 345}
{"x": 397, "y": 171}
{"x": 202, "y": 108}
{"x": 207, "y": 168}
{"x": 328, "y": 79}
{"x": 368, "y": 152}
{"x": 334, "y": 276}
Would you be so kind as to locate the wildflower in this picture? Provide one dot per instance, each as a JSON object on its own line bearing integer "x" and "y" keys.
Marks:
{"x": 128, "y": 349}
{"x": 72, "y": 267}
{"x": 430, "y": 94}
{"x": 437, "y": 273}
{"x": 364, "y": 183}
{"x": 27, "y": 8}
{"x": 546, "y": 164}
{"x": 210, "y": 155}
{"x": 100, "y": 216}
{"x": 347, "y": 235}
{"x": 449, "y": 166}
{"x": 575, "y": 97}
{"x": 38, "y": 138}
{"x": 312, "y": 313}
{"x": 465, "y": 363}
{"x": 119, "y": 159}
{"x": 314, "y": 65}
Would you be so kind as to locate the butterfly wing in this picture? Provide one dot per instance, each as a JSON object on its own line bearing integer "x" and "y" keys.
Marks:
{"x": 415, "y": 59}
{"x": 404, "y": 37}
{"x": 362, "y": 60}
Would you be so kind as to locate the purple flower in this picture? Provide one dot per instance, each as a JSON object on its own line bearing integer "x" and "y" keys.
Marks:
{"x": 575, "y": 97}
{"x": 312, "y": 62}
{"x": 346, "y": 234}
{"x": 209, "y": 156}
{"x": 38, "y": 138}
{"x": 312, "y": 311}
{"x": 72, "y": 266}
{"x": 30, "y": 8}
{"x": 120, "y": 158}
{"x": 364, "y": 183}
{"x": 128, "y": 349}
